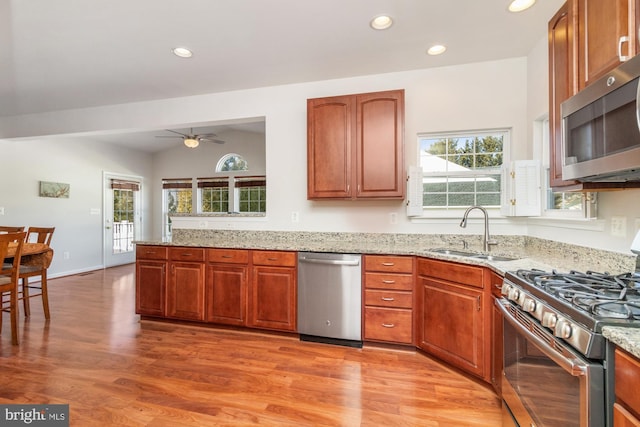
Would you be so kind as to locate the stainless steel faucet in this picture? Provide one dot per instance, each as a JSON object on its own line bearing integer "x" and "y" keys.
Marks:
{"x": 487, "y": 240}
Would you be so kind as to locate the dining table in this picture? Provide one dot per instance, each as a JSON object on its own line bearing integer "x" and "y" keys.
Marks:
{"x": 32, "y": 253}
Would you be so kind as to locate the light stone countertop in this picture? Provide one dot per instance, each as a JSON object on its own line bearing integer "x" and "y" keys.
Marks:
{"x": 625, "y": 338}
{"x": 530, "y": 253}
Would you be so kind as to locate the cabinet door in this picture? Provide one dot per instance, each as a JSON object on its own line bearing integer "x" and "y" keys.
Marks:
{"x": 185, "y": 291}
{"x": 452, "y": 324}
{"x": 606, "y": 30}
{"x": 330, "y": 147}
{"x": 150, "y": 287}
{"x": 380, "y": 145}
{"x": 226, "y": 294}
{"x": 562, "y": 85}
{"x": 273, "y": 298}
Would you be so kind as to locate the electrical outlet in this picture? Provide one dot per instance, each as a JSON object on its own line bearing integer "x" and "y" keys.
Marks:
{"x": 619, "y": 226}
{"x": 393, "y": 218}
{"x": 203, "y": 224}
{"x": 1, "y": 211}
{"x": 295, "y": 216}
{"x": 65, "y": 255}
{"x": 637, "y": 226}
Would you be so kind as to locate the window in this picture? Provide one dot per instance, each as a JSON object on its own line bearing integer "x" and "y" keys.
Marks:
{"x": 232, "y": 191}
{"x": 462, "y": 169}
{"x": 561, "y": 204}
{"x": 125, "y": 195}
{"x": 177, "y": 198}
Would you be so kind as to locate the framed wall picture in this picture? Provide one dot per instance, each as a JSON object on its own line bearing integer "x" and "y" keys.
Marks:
{"x": 57, "y": 190}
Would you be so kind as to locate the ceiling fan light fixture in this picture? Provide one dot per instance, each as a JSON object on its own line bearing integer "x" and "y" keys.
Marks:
{"x": 191, "y": 142}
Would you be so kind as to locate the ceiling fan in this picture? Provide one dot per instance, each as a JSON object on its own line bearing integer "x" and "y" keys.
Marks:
{"x": 191, "y": 139}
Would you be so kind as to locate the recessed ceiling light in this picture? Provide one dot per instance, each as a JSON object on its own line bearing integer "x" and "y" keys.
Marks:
{"x": 182, "y": 52}
{"x": 381, "y": 22}
{"x": 436, "y": 49}
{"x": 520, "y": 5}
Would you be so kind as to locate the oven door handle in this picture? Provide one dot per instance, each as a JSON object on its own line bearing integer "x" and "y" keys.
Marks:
{"x": 573, "y": 366}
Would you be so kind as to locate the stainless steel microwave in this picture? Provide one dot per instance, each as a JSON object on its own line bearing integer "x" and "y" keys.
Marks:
{"x": 601, "y": 128}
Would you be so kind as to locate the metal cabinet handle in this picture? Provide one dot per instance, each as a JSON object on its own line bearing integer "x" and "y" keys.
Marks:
{"x": 621, "y": 41}
{"x": 388, "y": 264}
{"x": 388, "y": 325}
{"x": 187, "y": 254}
{"x": 498, "y": 285}
{"x": 387, "y": 299}
{"x": 227, "y": 256}
{"x": 388, "y": 282}
{"x": 272, "y": 259}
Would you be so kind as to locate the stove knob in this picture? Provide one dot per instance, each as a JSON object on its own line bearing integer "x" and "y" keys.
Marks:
{"x": 549, "y": 320}
{"x": 505, "y": 289}
{"x": 563, "y": 329}
{"x": 514, "y": 294}
{"x": 529, "y": 305}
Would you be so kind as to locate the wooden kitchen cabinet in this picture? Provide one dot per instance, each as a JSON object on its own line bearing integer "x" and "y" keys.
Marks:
{"x": 151, "y": 279}
{"x": 455, "y": 317}
{"x": 497, "y": 345}
{"x": 388, "y": 299}
{"x": 626, "y": 410}
{"x": 273, "y": 296}
{"x": 583, "y": 46}
{"x": 227, "y": 281}
{"x": 355, "y": 146}
{"x": 186, "y": 284}
{"x": 606, "y": 36}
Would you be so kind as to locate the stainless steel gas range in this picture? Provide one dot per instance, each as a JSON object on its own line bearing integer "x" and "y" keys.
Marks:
{"x": 558, "y": 368}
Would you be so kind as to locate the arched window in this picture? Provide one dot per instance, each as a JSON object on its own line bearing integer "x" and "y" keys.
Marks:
{"x": 232, "y": 191}
{"x": 232, "y": 162}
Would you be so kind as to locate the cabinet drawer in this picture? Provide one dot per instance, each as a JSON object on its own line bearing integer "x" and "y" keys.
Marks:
{"x": 151, "y": 252}
{"x": 627, "y": 378}
{"x": 403, "y": 282}
{"x": 229, "y": 256}
{"x": 279, "y": 258}
{"x": 452, "y": 272}
{"x": 393, "y": 264}
{"x": 382, "y": 298}
{"x": 186, "y": 254}
{"x": 388, "y": 324}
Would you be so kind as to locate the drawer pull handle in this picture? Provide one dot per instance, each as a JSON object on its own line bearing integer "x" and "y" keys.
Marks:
{"x": 387, "y": 298}
{"x": 150, "y": 252}
{"x": 388, "y": 325}
{"x": 227, "y": 256}
{"x": 187, "y": 254}
{"x": 498, "y": 286}
{"x": 388, "y": 282}
{"x": 272, "y": 259}
{"x": 388, "y": 264}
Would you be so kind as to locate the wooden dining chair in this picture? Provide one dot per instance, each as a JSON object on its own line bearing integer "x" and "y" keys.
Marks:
{"x": 8, "y": 229}
{"x": 9, "y": 272}
{"x": 29, "y": 269}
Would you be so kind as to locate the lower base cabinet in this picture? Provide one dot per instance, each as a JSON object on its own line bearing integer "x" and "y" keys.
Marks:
{"x": 626, "y": 410}
{"x": 185, "y": 285}
{"x": 227, "y": 281}
{"x": 454, "y": 325}
{"x": 273, "y": 296}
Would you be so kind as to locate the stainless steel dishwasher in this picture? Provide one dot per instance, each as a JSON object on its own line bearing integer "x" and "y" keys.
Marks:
{"x": 330, "y": 298}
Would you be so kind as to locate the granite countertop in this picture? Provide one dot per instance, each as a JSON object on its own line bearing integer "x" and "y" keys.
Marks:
{"x": 529, "y": 253}
{"x": 624, "y": 337}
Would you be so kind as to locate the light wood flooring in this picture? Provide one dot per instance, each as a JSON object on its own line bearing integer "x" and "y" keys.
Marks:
{"x": 115, "y": 370}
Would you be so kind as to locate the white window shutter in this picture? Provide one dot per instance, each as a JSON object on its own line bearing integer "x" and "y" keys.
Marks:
{"x": 521, "y": 195}
{"x": 414, "y": 191}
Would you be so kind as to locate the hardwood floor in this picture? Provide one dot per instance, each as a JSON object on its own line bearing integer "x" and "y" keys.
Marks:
{"x": 115, "y": 370}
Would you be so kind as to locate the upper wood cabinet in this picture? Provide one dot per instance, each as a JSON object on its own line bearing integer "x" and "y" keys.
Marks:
{"x": 585, "y": 40}
{"x": 355, "y": 147}
{"x": 606, "y": 36}
{"x": 562, "y": 85}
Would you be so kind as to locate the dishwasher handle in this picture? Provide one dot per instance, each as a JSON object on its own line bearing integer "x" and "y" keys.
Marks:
{"x": 349, "y": 262}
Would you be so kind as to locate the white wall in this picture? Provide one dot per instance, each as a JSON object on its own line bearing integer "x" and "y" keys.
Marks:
{"x": 80, "y": 164}
{"x": 507, "y": 93}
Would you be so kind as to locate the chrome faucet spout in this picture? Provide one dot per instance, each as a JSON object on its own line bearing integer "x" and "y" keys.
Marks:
{"x": 486, "y": 239}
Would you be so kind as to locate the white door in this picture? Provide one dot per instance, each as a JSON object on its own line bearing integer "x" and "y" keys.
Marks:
{"x": 121, "y": 218}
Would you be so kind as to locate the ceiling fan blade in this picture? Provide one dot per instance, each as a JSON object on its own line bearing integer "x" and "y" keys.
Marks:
{"x": 168, "y": 136}
{"x": 207, "y": 139}
{"x": 179, "y": 133}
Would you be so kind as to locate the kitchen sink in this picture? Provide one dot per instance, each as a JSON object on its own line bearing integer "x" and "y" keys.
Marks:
{"x": 453, "y": 252}
{"x": 472, "y": 255}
